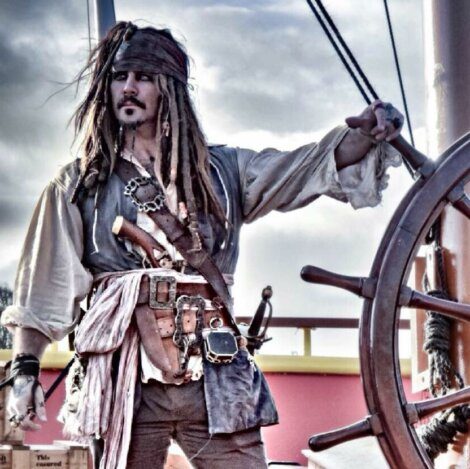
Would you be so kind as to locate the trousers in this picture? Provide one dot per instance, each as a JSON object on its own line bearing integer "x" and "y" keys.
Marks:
{"x": 167, "y": 412}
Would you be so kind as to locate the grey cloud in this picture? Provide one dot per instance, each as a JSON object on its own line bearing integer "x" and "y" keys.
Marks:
{"x": 32, "y": 65}
{"x": 42, "y": 17}
{"x": 259, "y": 52}
{"x": 33, "y": 134}
{"x": 14, "y": 211}
{"x": 7, "y": 274}
{"x": 277, "y": 257}
{"x": 16, "y": 68}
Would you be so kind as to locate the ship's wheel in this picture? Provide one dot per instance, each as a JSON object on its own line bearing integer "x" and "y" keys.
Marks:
{"x": 392, "y": 418}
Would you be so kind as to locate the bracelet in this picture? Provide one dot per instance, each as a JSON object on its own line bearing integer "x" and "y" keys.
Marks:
{"x": 25, "y": 364}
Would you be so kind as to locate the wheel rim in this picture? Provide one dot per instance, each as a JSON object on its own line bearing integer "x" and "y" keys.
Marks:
{"x": 380, "y": 368}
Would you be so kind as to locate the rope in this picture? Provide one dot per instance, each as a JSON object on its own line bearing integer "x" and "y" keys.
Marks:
{"x": 442, "y": 430}
{"x": 60, "y": 377}
{"x": 354, "y": 62}
{"x": 437, "y": 345}
{"x": 88, "y": 23}
{"x": 346, "y": 49}
{"x": 397, "y": 66}
{"x": 341, "y": 56}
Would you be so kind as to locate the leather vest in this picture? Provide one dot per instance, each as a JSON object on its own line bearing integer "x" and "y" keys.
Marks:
{"x": 104, "y": 252}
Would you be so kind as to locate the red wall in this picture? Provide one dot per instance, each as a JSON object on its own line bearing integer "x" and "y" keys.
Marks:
{"x": 307, "y": 404}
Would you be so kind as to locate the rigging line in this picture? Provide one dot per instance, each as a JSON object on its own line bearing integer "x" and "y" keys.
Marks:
{"x": 346, "y": 48}
{"x": 339, "y": 52}
{"x": 400, "y": 79}
{"x": 345, "y": 63}
{"x": 88, "y": 23}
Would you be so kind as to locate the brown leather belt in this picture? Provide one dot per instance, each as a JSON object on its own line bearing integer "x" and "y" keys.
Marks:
{"x": 165, "y": 290}
{"x": 155, "y": 314}
{"x": 167, "y": 328}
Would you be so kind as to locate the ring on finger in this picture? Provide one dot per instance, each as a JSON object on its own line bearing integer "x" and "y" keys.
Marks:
{"x": 379, "y": 105}
{"x": 15, "y": 420}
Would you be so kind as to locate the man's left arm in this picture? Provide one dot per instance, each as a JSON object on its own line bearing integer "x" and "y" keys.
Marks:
{"x": 348, "y": 164}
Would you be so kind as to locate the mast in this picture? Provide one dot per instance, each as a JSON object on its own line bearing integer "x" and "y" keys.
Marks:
{"x": 447, "y": 62}
{"x": 105, "y": 17}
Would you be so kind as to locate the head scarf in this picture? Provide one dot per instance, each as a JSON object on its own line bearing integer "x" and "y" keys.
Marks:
{"x": 151, "y": 51}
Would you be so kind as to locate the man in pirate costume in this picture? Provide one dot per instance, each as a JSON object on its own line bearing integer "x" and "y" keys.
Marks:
{"x": 146, "y": 224}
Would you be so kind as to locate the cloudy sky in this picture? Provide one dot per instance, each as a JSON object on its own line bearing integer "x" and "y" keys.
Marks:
{"x": 263, "y": 75}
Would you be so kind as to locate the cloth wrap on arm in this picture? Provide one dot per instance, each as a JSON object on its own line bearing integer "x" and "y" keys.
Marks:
{"x": 23, "y": 364}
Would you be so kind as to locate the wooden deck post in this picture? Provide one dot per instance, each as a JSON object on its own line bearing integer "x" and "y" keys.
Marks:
{"x": 447, "y": 42}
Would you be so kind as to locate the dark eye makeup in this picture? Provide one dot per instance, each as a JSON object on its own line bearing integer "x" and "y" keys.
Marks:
{"x": 139, "y": 76}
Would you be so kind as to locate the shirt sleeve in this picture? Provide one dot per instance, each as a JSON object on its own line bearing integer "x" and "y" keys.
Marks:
{"x": 284, "y": 181}
{"x": 50, "y": 281}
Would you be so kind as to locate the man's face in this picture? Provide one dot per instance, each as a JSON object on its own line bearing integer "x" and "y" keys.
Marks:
{"x": 135, "y": 96}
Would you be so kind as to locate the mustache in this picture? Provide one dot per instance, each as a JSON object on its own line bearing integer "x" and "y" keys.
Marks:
{"x": 132, "y": 100}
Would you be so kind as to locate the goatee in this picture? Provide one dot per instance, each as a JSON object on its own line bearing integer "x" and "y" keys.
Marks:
{"x": 131, "y": 125}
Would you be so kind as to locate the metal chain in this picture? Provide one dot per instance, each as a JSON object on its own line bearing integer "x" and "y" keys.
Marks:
{"x": 130, "y": 190}
{"x": 188, "y": 343}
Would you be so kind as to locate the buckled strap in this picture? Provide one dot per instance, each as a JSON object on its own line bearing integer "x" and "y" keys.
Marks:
{"x": 150, "y": 337}
{"x": 163, "y": 289}
{"x": 179, "y": 236}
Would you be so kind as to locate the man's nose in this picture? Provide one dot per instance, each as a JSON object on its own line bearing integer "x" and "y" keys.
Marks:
{"x": 130, "y": 87}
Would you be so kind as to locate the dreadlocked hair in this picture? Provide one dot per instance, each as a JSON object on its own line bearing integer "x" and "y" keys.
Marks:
{"x": 182, "y": 153}
{"x": 94, "y": 117}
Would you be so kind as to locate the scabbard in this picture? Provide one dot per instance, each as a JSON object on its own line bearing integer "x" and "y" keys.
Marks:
{"x": 151, "y": 338}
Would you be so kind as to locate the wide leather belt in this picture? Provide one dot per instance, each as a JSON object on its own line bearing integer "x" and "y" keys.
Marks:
{"x": 156, "y": 316}
{"x": 161, "y": 292}
{"x": 166, "y": 325}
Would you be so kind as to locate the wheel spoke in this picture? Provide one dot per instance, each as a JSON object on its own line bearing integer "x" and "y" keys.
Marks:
{"x": 421, "y": 409}
{"x": 361, "y": 286}
{"x": 415, "y": 299}
{"x": 463, "y": 205}
{"x": 366, "y": 427}
{"x": 460, "y": 200}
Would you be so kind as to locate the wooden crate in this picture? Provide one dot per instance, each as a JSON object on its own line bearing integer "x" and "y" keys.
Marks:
{"x": 79, "y": 454}
{"x": 39, "y": 457}
{"x": 65, "y": 455}
{"x": 5, "y": 457}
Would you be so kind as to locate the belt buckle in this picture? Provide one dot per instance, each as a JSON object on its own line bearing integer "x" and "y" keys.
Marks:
{"x": 153, "y": 297}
